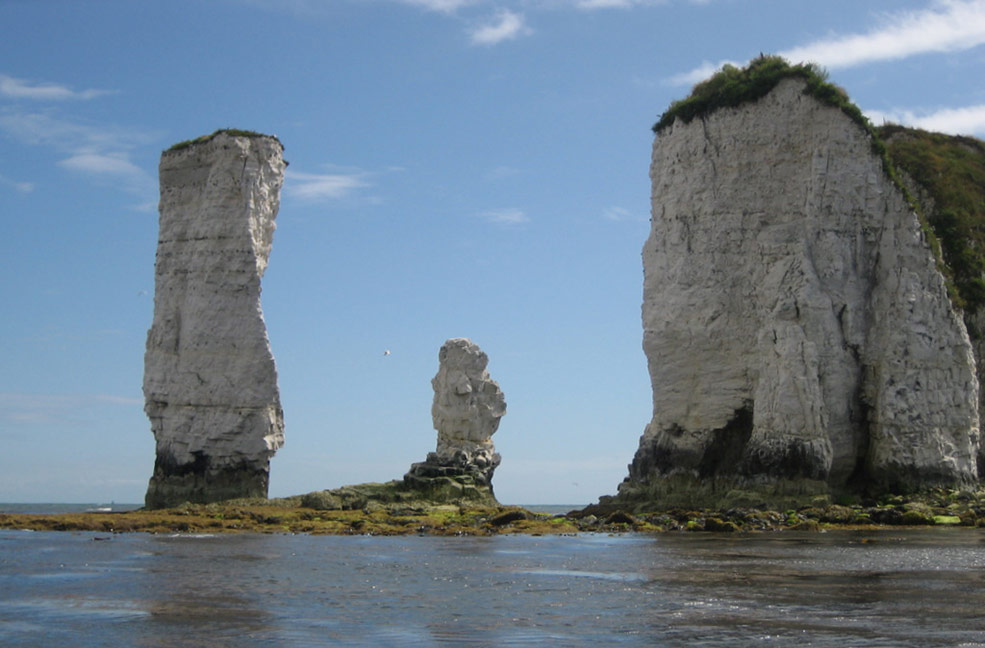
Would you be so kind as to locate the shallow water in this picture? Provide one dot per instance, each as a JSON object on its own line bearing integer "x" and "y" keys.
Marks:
{"x": 891, "y": 588}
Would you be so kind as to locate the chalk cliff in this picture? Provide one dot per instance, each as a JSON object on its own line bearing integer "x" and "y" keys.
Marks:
{"x": 798, "y": 332}
{"x": 468, "y": 405}
{"x": 210, "y": 383}
{"x": 946, "y": 174}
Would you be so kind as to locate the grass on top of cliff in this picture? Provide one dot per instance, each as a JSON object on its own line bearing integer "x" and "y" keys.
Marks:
{"x": 235, "y": 132}
{"x": 951, "y": 169}
{"x": 944, "y": 167}
{"x": 732, "y": 86}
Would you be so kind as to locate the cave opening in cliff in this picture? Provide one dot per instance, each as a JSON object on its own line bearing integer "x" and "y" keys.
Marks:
{"x": 728, "y": 444}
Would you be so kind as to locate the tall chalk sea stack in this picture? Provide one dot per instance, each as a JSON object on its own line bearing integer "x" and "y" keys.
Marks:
{"x": 799, "y": 335}
{"x": 210, "y": 383}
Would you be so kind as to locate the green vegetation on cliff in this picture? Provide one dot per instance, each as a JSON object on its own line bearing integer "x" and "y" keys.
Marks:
{"x": 235, "y": 132}
{"x": 732, "y": 86}
{"x": 951, "y": 171}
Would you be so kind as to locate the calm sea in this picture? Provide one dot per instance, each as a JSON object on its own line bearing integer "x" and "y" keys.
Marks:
{"x": 839, "y": 589}
{"x": 52, "y": 509}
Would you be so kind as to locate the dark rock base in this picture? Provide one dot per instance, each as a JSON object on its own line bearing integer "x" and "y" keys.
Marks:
{"x": 174, "y": 484}
{"x": 461, "y": 477}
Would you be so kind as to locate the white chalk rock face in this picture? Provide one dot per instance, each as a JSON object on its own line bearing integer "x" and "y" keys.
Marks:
{"x": 468, "y": 405}
{"x": 210, "y": 382}
{"x": 795, "y": 324}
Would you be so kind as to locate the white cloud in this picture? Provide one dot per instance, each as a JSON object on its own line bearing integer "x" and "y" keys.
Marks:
{"x": 47, "y": 129}
{"x": 619, "y": 214}
{"x": 511, "y": 216}
{"x": 23, "y": 187}
{"x": 969, "y": 120}
{"x": 55, "y": 408}
{"x": 952, "y": 25}
{"x": 442, "y": 6}
{"x": 94, "y": 149}
{"x": 65, "y": 134}
{"x": 605, "y": 4}
{"x": 323, "y": 186}
{"x": 507, "y": 25}
{"x": 117, "y": 164}
{"x": 14, "y": 88}
{"x": 501, "y": 172}
{"x": 700, "y": 73}
{"x": 949, "y": 26}
{"x": 620, "y": 4}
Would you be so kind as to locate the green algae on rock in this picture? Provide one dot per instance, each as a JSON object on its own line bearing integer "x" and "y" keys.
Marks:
{"x": 946, "y": 509}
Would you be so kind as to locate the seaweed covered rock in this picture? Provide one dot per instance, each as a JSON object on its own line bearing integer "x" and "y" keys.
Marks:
{"x": 210, "y": 382}
{"x": 468, "y": 405}
{"x": 798, "y": 332}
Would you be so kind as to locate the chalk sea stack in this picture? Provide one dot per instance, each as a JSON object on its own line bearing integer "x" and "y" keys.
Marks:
{"x": 468, "y": 405}
{"x": 798, "y": 329}
{"x": 466, "y": 410}
{"x": 210, "y": 383}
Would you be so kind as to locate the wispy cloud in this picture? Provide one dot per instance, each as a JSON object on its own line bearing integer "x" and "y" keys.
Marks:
{"x": 442, "y": 6}
{"x": 969, "y": 120}
{"x": 96, "y": 150}
{"x": 501, "y": 172}
{"x": 505, "y": 26}
{"x": 948, "y": 26}
{"x": 616, "y": 4}
{"x": 23, "y": 187}
{"x": 46, "y": 128}
{"x": 620, "y": 214}
{"x": 323, "y": 186}
{"x": 700, "y": 73}
{"x": 55, "y": 408}
{"x": 952, "y": 25}
{"x": 115, "y": 164}
{"x": 14, "y": 88}
{"x": 510, "y": 216}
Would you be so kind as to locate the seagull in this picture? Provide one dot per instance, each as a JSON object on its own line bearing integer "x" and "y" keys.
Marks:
{"x": 387, "y": 352}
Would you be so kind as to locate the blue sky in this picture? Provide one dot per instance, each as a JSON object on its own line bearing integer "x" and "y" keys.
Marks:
{"x": 474, "y": 168}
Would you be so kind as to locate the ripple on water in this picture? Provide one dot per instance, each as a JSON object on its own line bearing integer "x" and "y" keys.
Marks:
{"x": 250, "y": 591}
{"x": 575, "y": 573}
{"x": 75, "y": 605}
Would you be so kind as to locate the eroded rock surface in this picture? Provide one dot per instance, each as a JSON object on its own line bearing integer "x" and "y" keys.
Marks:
{"x": 466, "y": 410}
{"x": 210, "y": 382}
{"x": 797, "y": 330}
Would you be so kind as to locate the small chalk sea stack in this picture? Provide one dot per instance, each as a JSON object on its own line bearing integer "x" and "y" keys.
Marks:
{"x": 466, "y": 411}
{"x": 210, "y": 384}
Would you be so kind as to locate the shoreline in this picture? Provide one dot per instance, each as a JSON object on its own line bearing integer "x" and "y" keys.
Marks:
{"x": 937, "y": 509}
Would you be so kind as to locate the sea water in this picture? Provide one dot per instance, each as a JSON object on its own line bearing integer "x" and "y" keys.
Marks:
{"x": 840, "y": 589}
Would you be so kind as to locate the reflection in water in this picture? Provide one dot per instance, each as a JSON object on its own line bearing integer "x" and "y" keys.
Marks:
{"x": 203, "y": 590}
{"x": 915, "y": 588}
{"x": 904, "y": 588}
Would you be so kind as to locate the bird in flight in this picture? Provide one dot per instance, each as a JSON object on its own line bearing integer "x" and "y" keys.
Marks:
{"x": 387, "y": 352}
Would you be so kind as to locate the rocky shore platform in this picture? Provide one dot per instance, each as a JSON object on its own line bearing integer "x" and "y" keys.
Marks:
{"x": 378, "y": 509}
